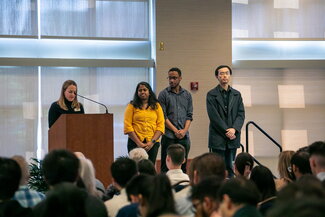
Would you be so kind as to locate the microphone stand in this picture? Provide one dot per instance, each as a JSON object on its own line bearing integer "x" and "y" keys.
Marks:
{"x": 94, "y": 102}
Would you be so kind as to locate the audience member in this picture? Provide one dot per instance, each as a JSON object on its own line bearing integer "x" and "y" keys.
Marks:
{"x": 87, "y": 176}
{"x": 310, "y": 207}
{"x": 284, "y": 169}
{"x": 304, "y": 149}
{"x": 10, "y": 175}
{"x": 174, "y": 160}
{"x": 204, "y": 197}
{"x": 153, "y": 193}
{"x": 239, "y": 198}
{"x": 145, "y": 166}
{"x": 138, "y": 154}
{"x": 264, "y": 181}
{"x": 132, "y": 191}
{"x": 24, "y": 195}
{"x": 303, "y": 198}
{"x": 122, "y": 170}
{"x": 63, "y": 166}
{"x": 300, "y": 164}
{"x": 317, "y": 159}
{"x": 207, "y": 164}
{"x": 66, "y": 201}
{"x": 88, "y": 179}
{"x": 244, "y": 164}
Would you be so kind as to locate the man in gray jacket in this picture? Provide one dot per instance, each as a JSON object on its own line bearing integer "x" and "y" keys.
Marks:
{"x": 226, "y": 113}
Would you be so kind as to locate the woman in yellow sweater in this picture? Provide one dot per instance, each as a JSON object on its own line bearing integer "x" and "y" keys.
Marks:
{"x": 144, "y": 121}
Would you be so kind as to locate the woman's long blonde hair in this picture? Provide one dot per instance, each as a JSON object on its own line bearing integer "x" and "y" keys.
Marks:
{"x": 75, "y": 103}
{"x": 284, "y": 164}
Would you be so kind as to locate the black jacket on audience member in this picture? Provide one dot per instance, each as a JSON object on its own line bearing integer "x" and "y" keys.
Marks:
{"x": 94, "y": 207}
{"x": 12, "y": 208}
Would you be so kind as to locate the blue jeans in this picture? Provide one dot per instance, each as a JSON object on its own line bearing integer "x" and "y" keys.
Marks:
{"x": 229, "y": 156}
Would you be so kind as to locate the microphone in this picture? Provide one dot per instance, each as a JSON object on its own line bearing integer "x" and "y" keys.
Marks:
{"x": 94, "y": 102}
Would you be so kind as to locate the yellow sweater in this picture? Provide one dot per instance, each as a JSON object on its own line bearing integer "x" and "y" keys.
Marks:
{"x": 144, "y": 122}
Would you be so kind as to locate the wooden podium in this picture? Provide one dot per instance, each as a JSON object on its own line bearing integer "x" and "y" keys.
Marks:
{"x": 91, "y": 134}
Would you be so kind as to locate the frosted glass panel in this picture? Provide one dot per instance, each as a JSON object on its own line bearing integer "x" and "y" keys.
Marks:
{"x": 18, "y": 17}
{"x": 263, "y": 18}
{"x": 90, "y": 18}
{"x": 18, "y": 109}
{"x": 122, "y": 19}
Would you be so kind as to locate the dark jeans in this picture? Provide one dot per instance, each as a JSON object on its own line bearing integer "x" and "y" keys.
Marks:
{"x": 229, "y": 156}
{"x": 152, "y": 152}
{"x": 165, "y": 143}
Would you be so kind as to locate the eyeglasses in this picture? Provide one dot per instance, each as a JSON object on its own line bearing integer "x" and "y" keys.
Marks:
{"x": 224, "y": 73}
{"x": 172, "y": 78}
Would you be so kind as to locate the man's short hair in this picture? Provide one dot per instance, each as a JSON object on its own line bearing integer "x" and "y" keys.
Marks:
{"x": 242, "y": 160}
{"x": 177, "y": 153}
{"x": 301, "y": 160}
{"x": 175, "y": 69}
{"x": 123, "y": 169}
{"x": 317, "y": 148}
{"x": 145, "y": 166}
{"x": 10, "y": 175}
{"x": 208, "y": 187}
{"x": 220, "y": 67}
{"x": 60, "y": 166}
{"x": 240, "y": 191}
{"x": 208, "y": 164}
{"x": 23, "y": 167}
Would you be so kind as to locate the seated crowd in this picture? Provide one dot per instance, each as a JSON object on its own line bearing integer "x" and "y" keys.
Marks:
{"x": 137, "y": 189}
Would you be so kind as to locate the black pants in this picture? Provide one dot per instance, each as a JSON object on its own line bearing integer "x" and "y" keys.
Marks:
{"x": 165, "y": 143}
{"x": 152, "y": 152}
{"x": 229, "y": 156}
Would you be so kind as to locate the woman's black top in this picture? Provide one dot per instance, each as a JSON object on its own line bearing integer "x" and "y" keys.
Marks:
{"x": 56, "y": 111}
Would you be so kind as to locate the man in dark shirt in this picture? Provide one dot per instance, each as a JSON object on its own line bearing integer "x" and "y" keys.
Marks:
{"x": 61, "y": 166}
{"x": 176, "y": 103}
{"x": 226, "y": 113}
{"x": 10, "y": 175}
{"x": 238, "y": 198}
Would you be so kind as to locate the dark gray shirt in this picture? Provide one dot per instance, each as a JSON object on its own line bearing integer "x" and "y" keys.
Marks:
{"x": 225, "y": 97}
{"x": 177, "y": 107}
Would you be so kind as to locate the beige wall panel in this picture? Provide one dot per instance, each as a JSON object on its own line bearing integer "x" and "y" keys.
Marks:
{"x": 197, "y": 38}
{"x": 265, "y": 109}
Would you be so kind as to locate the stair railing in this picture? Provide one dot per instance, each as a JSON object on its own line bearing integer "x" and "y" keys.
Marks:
{"x": 262, "y": 131}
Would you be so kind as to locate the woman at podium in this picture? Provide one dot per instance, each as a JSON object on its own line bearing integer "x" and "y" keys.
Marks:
{"x": 144, "y": 121}
{"x": 67, "y": 103}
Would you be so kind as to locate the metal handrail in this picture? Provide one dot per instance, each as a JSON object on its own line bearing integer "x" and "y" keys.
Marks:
{"x": 242, "y": 148}
{"x": 262, "y": 131}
